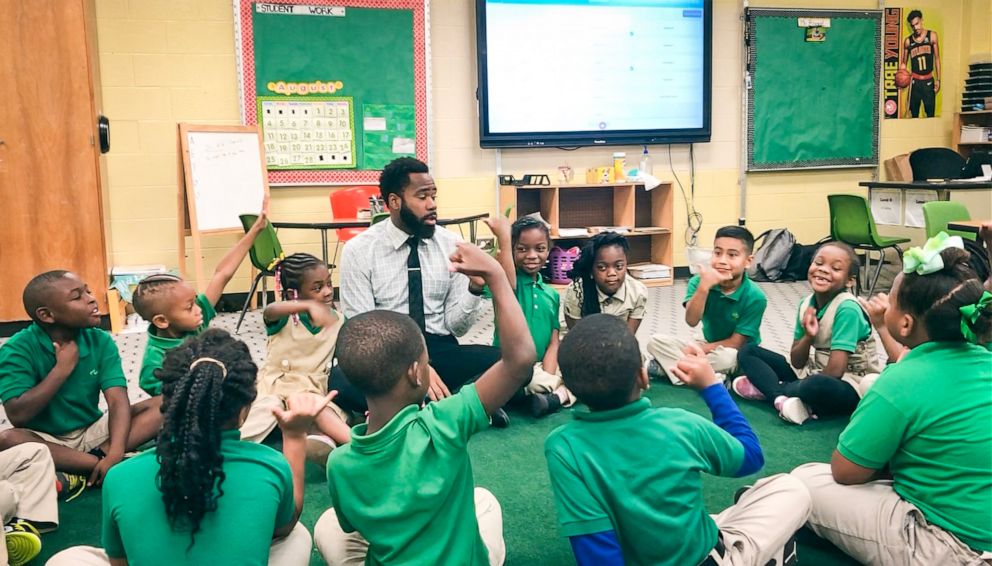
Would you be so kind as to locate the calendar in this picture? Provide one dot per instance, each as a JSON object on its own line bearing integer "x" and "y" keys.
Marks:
{"x": 311, "y": 133}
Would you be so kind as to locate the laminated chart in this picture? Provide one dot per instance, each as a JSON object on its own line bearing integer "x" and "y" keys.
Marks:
{"x": 316, "y": 133}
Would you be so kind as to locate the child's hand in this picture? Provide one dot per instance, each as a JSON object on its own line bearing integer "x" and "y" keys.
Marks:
{"x": 437, "y": 389}
{"x": 810, "y": 325}
{"x": 709, "y": 277}
{"x": 66, "y": 355}
{"x": 301, "y": 410}
{"x": 320, "y": 314}
{"x": 694, "y": 369}
{"x": 469, "y": 260}
{"x": 876, "y": 307}
{"x": 499, "y": 226}
{"x": 263, "y": 215}
{"x": 100, "y": 470}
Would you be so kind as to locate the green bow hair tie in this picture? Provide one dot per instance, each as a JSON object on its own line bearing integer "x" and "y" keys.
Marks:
{"x": 970, "y": 314}
{"x": 927, "y": 260}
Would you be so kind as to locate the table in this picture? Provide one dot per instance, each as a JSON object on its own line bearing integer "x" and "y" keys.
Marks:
{"x": 323, "y": 227}
{"x": 941, "y": 188}
{"x": 967, "y": 225}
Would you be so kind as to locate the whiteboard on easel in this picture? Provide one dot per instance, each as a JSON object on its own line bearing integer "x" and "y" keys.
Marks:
{"x": 226, "y": 177}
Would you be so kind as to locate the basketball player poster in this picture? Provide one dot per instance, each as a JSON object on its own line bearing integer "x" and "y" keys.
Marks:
{"x": 911, "y": 62}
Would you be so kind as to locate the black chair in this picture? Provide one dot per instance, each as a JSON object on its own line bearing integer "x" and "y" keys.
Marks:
{"x": 936, "y": 163}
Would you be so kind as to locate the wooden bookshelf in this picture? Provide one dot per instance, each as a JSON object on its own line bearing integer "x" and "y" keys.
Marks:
{"x": 975, "y": 118}
{"x": 625, "y": 204}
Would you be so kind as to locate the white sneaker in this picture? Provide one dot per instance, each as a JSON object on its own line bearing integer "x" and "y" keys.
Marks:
{"x": 319, "y": 447}
{"x": 794, "y": 411}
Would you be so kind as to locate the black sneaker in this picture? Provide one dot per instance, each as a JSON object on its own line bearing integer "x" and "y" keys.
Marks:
{"x": 655, "y": 372}
{"x": 787, "y": 556}
{"x": 543, "y": 404}
{"x": 499, "y": 419}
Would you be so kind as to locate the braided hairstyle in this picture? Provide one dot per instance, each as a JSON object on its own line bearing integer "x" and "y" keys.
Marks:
{"x": 935, "y": 299}
{"x": 149, "y": 292}
{"x": 583, "y": 267}
{"x": 290, "y": 272}
{"x": 198, "y": 402}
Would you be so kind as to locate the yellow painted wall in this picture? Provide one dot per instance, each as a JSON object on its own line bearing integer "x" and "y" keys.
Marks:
{"x": 167, "y": 61}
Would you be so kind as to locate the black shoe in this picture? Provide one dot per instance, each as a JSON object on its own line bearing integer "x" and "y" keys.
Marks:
{"x": 499, "y": 419}
{"x": 788, "y": 556}
{"x": 740, "y": 492}
{"x": 655, "y": 372}
{"x": 543, "y": 404}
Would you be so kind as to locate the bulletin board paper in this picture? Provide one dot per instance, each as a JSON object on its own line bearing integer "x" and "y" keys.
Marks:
{"x": 392, "y": 133}
{"x": 227, "y": 177}
{"x": 915, "y": 199}
{"x": 316, "y": 133}
{"x": 886, "y": 206}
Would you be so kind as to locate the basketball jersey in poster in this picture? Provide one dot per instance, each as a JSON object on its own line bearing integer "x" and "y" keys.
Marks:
{"x": 921, "y": 54}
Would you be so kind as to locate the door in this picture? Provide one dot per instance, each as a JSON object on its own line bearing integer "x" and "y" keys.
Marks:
{"x": 50, "y": 201}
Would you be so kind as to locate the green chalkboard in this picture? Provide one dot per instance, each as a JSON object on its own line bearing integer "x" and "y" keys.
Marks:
{"x": 813, "y": 103}
{"x": 333, "y": 63}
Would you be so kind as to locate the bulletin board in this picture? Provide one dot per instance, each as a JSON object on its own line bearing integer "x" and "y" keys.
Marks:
{"x": 813, "y": 100}
{"x": 338, "y": 88}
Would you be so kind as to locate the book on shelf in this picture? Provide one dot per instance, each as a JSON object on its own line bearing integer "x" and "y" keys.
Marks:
{"x": 650, "y": 271}
{"x": 617, "y": 229}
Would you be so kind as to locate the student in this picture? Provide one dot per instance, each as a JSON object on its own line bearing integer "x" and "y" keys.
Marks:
{"x": 421, "y": 510}
{"x": 175, "y": 311}
{"x": 203, "y": 496}
{"x": 600, "y": 283}
{"x": 910, "y": 481}
{"x": 725, "y": 300}
{"x": 523, "y": 250}
{"x": 626, "y": 476}
{"x": 51, "y": 376}
{"x": 834, "y": 347}
{"x": 27, "y": 501}
{"x": 302, "y": 329}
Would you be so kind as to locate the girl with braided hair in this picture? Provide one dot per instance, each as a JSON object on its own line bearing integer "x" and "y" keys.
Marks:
{"x": 909, "y": 482}
{"x": 302, "y": 329}
{"x": 202, "y": 495}
{"x": 600, "y": 283}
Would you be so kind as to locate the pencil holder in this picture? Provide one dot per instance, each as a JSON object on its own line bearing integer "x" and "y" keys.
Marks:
{"x": 560, "y": 263}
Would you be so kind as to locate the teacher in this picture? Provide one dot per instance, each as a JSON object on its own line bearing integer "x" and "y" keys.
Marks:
{"x": 401, "y": 265}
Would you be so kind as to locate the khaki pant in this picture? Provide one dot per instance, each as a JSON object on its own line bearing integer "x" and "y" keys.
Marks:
{"x": 82, "y": 439}
{"x": 873, "y": 525}
{"x": 544, "y": 382}
{"x": 261, "y": 422}
{"x": 293, "y": 550}
{"x": 755, "y": 529}
{"x": 27, "y": 488}
{"x": 667, "y": 351}
{"x": 349, "y": 549}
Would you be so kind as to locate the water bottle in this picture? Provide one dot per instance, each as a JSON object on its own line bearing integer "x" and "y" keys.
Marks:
{"x": 645, "y": 166}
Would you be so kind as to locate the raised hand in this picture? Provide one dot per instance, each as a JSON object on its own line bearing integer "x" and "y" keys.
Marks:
{"x": 301, "y": 410}
{"x": 876, "y": 307}
{"x": 810, "y": 324}
{"x": 694, "y": 369}
{"x": 468, "y": 259}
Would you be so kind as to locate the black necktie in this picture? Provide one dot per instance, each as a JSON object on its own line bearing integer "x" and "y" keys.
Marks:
{"x": 415, "y": 283}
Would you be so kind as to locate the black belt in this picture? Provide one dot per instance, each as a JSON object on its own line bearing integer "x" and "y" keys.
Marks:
{"x": 718, "y": 549}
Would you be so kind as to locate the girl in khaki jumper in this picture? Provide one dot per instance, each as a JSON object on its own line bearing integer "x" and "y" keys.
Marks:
{"x": 302, "y": 329}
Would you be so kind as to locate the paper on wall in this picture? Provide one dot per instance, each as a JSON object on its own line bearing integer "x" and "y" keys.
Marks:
{"x": 404, "y": 145}
{"x": 886, "y": 206}
{"x": 374, "y": 123}
{"x": 915, "y": 199}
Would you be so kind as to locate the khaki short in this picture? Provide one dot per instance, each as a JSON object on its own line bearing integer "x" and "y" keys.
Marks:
{"x": 82, "y": 439}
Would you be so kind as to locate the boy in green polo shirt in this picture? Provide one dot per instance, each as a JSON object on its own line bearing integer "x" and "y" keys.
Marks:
{"x": 402, "y": 489}
{"x": 523, "y": 250}
{"x": 729, "y": 305}
{"x": 175, "y": 311}
{"x": 51, "y": 375}
{"x": 627, "y": 477}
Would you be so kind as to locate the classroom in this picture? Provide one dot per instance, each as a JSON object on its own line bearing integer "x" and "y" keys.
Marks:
{"x": 263, "y": 168}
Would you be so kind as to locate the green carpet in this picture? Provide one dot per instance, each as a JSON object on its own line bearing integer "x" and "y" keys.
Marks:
{"x": 510, "y": 463}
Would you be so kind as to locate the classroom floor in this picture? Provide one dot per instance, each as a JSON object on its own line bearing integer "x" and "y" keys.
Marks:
{"x": 510, "y": 462}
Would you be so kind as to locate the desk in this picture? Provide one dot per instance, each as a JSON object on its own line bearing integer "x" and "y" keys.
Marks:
{"x": 323, "y": 227}
{"x": 941, "y": 188}
{"x": 967, "y": 225}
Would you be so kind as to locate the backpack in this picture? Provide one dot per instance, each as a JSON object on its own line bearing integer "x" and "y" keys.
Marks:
{"x": 781, "y": 258}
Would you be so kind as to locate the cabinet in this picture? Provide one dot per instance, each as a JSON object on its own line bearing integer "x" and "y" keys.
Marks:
{"x": 49, "y": 156}
{"x": 977, "y": 118}
{"x": 647, "y": 214}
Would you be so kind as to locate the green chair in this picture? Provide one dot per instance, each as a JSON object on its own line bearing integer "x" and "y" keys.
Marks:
{"x": 851, "y": 222}
{"x": 938, "y": 213}
{"x": 264, "y": 250}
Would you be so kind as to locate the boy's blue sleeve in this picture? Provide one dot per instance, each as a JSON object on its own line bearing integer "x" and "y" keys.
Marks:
{"x": 597, "y": 549}
{"x": 728, "y": 416}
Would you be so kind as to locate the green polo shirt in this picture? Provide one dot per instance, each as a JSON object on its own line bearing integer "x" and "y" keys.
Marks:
{"x": 637, "y": 470}
{"x": 850, "y": 325}
{"x": 257, "y": 499}
{"x": 929, "y": 417}
{"x": 540, "y": 304}
{"x": 158, "y": 346}
{"x": 272, "y": 328}
{"x": 28, "y": 357}
{"x": 408, "y": 487}
{"x": 739, "y": 312}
